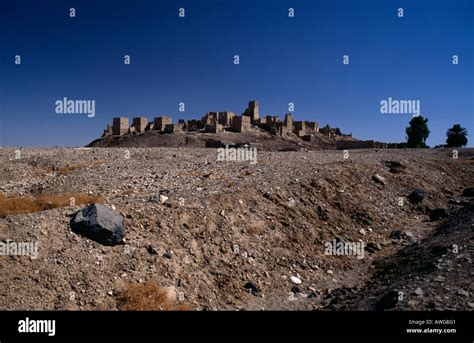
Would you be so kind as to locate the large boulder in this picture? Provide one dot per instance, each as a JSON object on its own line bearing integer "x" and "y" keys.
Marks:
{"x": 99, "y": 223}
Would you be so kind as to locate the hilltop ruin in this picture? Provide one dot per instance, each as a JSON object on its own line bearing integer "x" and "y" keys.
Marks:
{"x": 217, "y": 129}
{"x": 215, "y": 122}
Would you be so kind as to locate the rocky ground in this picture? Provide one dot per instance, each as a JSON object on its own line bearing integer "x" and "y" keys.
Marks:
{"x": 235, "y": 235}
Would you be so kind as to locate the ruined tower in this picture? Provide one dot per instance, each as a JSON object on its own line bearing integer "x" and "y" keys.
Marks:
{"x": 253, "y": 111}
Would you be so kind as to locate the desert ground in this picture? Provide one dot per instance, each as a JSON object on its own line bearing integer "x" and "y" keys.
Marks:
{"x": 203, "y": 234}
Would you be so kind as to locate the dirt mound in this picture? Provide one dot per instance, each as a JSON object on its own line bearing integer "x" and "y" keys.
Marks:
{"x": 260, "y": 139}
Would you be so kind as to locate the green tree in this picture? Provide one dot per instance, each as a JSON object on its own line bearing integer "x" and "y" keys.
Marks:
{"x": 457, "y": 136}
{"x": 417, "y": 132}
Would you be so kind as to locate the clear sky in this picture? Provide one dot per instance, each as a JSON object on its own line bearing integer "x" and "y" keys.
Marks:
{"x": 191, "y": 60}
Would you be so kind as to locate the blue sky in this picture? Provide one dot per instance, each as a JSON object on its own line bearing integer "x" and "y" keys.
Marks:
{"x": 190, "y": 60}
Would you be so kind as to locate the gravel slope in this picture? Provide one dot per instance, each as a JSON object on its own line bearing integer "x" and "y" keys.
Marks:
{"x": 224, "y": 225}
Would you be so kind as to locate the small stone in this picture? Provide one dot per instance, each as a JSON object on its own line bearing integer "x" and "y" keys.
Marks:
{"x": 236, "y": 249}
{"x": 395, "y": 234}
{"x": 151, "y": 250}
{"x": 379, "y": 179}
{"x": 373, "y": 247}
{"x": 295, "y": 280}
{"x": 330, "y": 271}
{"x": 295, "y": 289}
{"x": 163, "y": 198}
{"x": 253, "y": 288}
{"x": 463, "y": 292}
{"x": 468, "y": 192}
{"x": 470, "y": 304}
{"x": 417, "y": 196}
{"x": 395, "y": 166}
{"x": 408, "y": 234}
{"x": 418, "y": 291}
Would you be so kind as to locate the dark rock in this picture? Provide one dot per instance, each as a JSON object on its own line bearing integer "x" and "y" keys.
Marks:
{"x": 389, "y": 300}
{"x": 372, "y": 247}
{"x": 168, "y": 255}
{"x": 395, "y": 167}
{"x": 99, "y": 223}
{"x": 438, "y": 213}
{"x": 417, "y": 196}
{"x": 253, "y": 288}
{"x": 154, "y": 199}
{"x": 151, "y": 250}
{"x": 295, "y": 289}
{"x": 323, "y": 213}
{"x": 395, "y": 234}
{"x": 468, "y": 192}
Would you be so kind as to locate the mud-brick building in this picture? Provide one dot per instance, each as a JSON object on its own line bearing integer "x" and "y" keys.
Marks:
{"x": 120, "y": 126}
{"x": 159, "y": 123}
{"x": 299, "y": 128}
{"x": 241, "y": 123}
{"x": 139, "y": 124}
{"x": 173, "y": 128}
